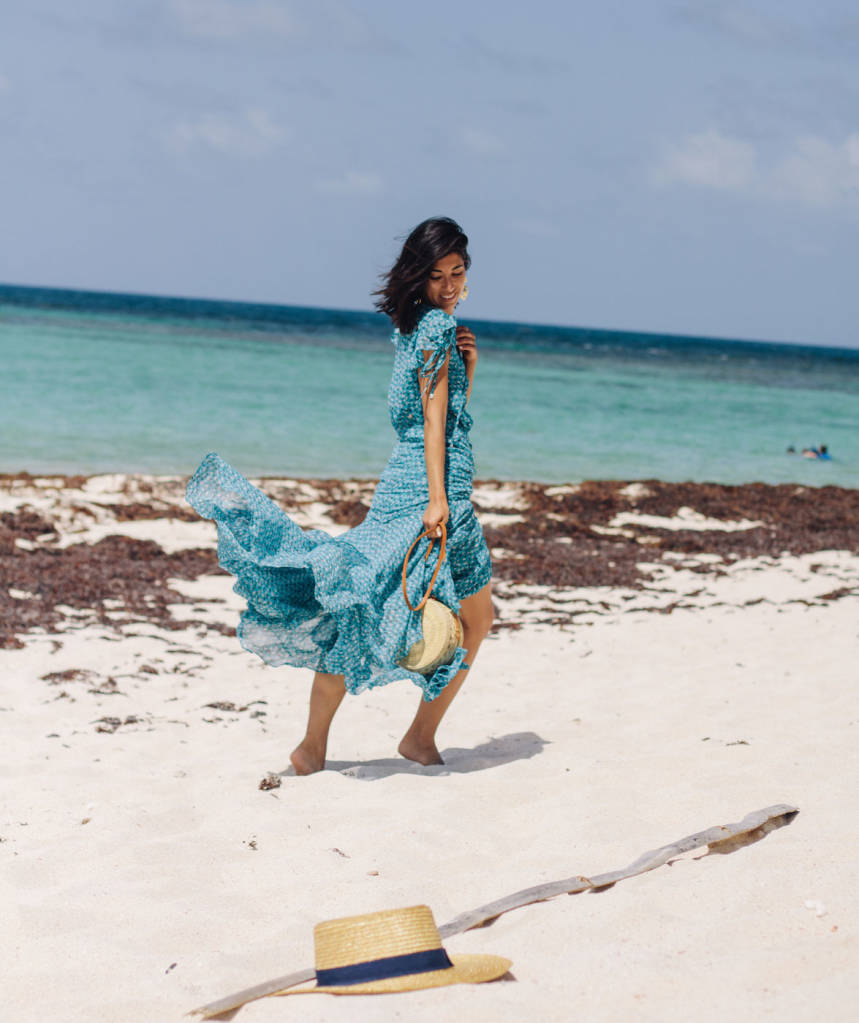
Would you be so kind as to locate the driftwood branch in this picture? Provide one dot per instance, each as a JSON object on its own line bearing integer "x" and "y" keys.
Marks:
{"x": 251, "y": 994}
{"x": 724, "y": 838}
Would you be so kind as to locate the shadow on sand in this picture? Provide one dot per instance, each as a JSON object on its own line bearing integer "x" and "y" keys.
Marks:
{"x": 493, "y": 753}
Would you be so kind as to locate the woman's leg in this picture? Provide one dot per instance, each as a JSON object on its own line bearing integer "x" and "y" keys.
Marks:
{"x": 419, "y": 741}
{"x": 325, "y": 698}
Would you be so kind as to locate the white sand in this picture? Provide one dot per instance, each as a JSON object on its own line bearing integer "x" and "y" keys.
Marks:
{"x": 684, "y": 518}
{"x": 144, "y": 872}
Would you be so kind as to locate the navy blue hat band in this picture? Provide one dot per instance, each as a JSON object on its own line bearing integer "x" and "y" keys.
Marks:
{"x": 382, "y": 969}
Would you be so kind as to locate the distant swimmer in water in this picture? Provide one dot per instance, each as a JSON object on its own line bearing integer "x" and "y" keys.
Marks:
{"x": 791, "y": 450}
{"x": 822, "y": 453}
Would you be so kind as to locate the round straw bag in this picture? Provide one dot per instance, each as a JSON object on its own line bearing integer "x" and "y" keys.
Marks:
{"x": 442, "y": 629}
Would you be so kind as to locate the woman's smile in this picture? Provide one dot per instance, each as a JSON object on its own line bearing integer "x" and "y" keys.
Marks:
{"x": 446, "y": 281}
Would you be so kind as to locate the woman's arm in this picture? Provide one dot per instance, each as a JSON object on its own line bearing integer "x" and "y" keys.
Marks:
{"x": 466, "y": 342}
{"x": 435, "y": 419}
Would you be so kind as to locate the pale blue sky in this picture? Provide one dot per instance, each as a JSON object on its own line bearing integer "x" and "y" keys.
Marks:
{"x": 688, "y": 166}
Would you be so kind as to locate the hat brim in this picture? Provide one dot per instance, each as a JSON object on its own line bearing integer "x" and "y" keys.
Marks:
{"x": 466, "y": 969}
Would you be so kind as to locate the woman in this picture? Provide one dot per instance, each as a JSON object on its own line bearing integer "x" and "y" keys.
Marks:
{"x": 335, "y": 604}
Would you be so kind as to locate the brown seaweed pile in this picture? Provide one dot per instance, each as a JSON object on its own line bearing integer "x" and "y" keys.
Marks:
{"x": 560, "y": 537}
{"x": 37, "y": 587}
{"x": 793, "y": 520}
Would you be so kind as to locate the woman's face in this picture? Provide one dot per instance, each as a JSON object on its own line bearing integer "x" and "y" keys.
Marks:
{"x": 446, "y": 281}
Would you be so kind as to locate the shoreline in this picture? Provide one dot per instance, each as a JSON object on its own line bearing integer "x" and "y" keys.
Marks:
{"x": 95, "y": 549}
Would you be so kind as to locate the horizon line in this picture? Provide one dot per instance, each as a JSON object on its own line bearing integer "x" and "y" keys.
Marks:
{"x": 672, "y": 335}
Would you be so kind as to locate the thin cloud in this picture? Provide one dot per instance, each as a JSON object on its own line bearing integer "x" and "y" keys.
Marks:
{"x": 741, "y": 22}
{"x": 352, "y": 183}
{"x": 709, "y": 159}
{"x": 812, "y": 31}
{"x": 477, "y": 51}
{"x": 305, "y": 22}
{"x": 353, "y": 29}
{"x": 251, "y": 133}
{"x": 818, "y": 171}
{"x": 536, "y": 228}
{"x": 230, "y": 19}
{"x": 481, "y": 142}
{"x": 810, "y": 169}
{"x": 522, "y": 106}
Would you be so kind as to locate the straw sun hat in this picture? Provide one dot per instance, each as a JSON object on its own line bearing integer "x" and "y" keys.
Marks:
{"x": 394, "y": 950}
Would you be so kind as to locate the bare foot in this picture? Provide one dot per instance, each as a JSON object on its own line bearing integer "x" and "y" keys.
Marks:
{"x": 306, "y": 760}
{"x": 421, "y": 753}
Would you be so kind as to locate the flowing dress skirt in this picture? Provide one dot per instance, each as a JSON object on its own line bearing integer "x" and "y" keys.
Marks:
{"x": 335, "y": 603}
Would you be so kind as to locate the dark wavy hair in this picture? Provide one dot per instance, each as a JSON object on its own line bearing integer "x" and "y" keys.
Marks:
{"x": 403, "y": 286}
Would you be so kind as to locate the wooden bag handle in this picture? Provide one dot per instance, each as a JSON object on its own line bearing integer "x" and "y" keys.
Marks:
{"x": 432, "y": 538}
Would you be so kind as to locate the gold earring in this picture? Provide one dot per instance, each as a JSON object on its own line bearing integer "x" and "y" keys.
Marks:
{"x": 463, "y": 295}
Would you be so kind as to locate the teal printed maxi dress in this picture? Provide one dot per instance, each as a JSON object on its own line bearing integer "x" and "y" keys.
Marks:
{"x": 335, "y": 603}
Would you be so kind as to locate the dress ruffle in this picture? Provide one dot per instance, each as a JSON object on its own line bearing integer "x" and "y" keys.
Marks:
{"x": 435, "y": 334}
{"x": 328, "y": 603}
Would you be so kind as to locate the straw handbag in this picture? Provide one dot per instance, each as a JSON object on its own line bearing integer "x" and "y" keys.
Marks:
{"x": 442, "y": 629}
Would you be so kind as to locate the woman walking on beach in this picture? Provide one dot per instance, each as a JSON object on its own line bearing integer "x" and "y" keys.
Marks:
{"x": 335, "y": 604}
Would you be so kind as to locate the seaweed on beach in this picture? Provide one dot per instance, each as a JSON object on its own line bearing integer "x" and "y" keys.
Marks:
{"x": 348, "y": 501}
{"x": 553, "y": 541}
{"x": 24, "y": 523}
{"x": 564, "y": 559}
{"x": 557, "y": 537}
{"x": 75, "y": 482}
{"x": 117, "y": 579}
{"x": 135, "y": 511}
{"x": 348, "y": 513}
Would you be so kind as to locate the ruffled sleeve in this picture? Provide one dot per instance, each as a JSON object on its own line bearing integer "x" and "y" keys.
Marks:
{"x": 436, "y": 334}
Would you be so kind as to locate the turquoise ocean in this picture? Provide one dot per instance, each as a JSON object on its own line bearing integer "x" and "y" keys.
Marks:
{"x": 97, "y": 382}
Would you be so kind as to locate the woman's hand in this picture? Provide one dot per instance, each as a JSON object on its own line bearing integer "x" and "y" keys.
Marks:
{"x": 466, "y": 343}
{"x": 437, "y": 511}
